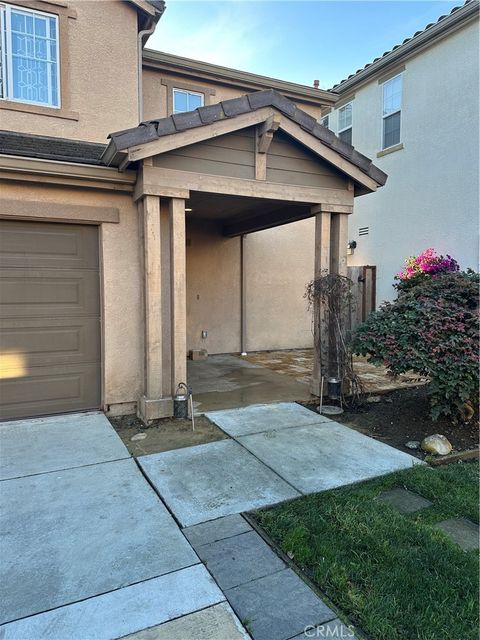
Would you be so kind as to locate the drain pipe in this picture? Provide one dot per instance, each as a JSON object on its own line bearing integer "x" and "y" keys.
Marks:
{"x": 142, "y": 34}
{"x": 243, "y": 297}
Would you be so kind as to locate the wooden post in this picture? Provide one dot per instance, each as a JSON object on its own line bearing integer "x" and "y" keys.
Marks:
{"x": 320, "y": 313}
{"x": 152, "y": 405}
{"x": 338, "y": 265}
{"x": 178, "y": 291}
{"x": 153, "y": 302}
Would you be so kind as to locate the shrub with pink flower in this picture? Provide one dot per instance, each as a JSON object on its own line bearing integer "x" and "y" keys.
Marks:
{"x": 425, "y": 265}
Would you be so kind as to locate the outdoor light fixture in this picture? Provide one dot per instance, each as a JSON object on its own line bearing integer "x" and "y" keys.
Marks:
{"x": 351, "y": 246}
{"x": 188, "y": 210}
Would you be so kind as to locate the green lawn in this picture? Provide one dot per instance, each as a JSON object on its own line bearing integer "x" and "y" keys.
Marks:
{"x": 395, "y": 576}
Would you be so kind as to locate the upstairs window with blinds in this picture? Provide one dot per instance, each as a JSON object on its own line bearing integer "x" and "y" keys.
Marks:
{"x": 29, "y": 56}
{"x": 392, "y": 111}
{"x": 345, "y": 123}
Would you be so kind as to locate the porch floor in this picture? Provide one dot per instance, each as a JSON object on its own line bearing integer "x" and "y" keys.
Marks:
{"x": 228, "y": 381}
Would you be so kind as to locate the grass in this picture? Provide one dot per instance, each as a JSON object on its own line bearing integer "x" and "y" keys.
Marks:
{"x": 395, "y": 576}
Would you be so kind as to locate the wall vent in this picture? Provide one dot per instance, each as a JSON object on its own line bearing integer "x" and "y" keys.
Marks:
{"x": 363, "y": 231}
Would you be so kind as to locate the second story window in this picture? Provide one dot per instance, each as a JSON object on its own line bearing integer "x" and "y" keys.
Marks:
{"x": 392, "y": 108}
{"x": 29, "y": 56}
{"x": 326, "y": 122}
{"x": 345, "y": 123}
{"x": 186, "y": 100}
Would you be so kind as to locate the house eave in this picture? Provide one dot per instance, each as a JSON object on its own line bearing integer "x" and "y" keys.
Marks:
{"x": 412, "y": 47}
{"x": 233, "y": 77}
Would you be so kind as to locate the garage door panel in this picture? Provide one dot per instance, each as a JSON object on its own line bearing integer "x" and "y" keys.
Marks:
{"x": 45, "y": 244}
{"x": 36, "y": 342}
{"x": 49, "y": 318}
{"x": 48, "y": 292}
{"x": 50, "y": 390}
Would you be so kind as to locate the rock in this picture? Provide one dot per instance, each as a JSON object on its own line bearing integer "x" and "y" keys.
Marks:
{"x": 138, "y": 436}
{"x": 413, "y": 444}
{"x": 373, "y": 399}
{"x": 436, "y": 444}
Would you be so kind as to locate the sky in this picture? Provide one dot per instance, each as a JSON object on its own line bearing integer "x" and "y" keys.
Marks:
{"x": 296, "y": 41}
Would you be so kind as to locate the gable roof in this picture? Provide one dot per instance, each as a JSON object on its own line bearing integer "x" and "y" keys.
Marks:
{"x": 420, "y": 39}
{"x": 152, "y": 130}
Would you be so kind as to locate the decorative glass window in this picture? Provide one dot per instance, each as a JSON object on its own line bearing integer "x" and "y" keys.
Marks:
{"x": 392, "y": 109}
{"x": 29, "y": 56}
{"x": 325, "y": 122}
{"x": 345, "y": 123}
{"x": 186, "y": 100}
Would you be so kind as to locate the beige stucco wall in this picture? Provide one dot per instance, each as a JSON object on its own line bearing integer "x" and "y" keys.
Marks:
{"x": 278, "y": 265}
{"x": 155, "y": 93}
{"x": 122, "y": 304}
{"x": 101, "y": 46}
{"x": 213, "y": 288}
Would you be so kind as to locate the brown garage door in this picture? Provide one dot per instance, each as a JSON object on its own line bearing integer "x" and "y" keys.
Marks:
{"x": 50, "y": 318}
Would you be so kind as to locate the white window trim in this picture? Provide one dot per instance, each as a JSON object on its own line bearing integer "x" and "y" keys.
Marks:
{"x": 186, "y": 92}
{"x": 7, "y": 61}
{"x": 387, "y": 115}
{"x": 350, "y": 126}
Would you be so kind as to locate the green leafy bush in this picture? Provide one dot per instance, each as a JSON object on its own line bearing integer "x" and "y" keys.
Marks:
{"x": 432, "y": 329}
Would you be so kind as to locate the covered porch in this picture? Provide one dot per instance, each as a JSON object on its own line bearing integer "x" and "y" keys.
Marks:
{"x": 227, "y": 170}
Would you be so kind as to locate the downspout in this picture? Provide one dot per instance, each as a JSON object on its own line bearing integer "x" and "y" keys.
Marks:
{"x": 141, "y": 35}
{"x": 243, "y": 297}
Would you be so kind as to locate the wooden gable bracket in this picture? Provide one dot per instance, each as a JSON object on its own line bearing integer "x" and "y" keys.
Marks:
{"x": 263, "y": 139}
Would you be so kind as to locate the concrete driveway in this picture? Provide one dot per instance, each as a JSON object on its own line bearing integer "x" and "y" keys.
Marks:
{"x": 88, "y": 548}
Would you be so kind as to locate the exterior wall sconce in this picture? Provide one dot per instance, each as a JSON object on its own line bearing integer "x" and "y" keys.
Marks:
{"x": 351, "y": 246}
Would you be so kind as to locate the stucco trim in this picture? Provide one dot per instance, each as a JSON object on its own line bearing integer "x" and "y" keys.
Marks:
{"x": 20, "y": 169}
{"x": 391, "y": 74}
{"x": 385, "y": 152}
{"x": 208, "y": 92}
{"x": 56, "y": 212}
{"x": 38, "y": 110}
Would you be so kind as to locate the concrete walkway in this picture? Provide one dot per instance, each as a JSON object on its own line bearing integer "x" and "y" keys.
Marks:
{"x": 91, "y": 551}
{"x": 88, "y": 549}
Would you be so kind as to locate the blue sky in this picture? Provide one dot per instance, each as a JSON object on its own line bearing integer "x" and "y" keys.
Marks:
{"x": 296, "y": 41}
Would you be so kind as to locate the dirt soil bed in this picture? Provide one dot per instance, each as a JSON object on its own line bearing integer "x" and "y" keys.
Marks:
{"x": 164, "y": 434}
{"x": 403, "y": 416}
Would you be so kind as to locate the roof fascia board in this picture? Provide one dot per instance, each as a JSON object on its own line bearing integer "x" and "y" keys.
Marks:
{"x": 327, "y": 154}
{"x": 234, "y": 77}
{"x": 428, "y": 38}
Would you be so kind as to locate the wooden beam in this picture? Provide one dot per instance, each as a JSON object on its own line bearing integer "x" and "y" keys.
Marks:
{"x": 149, "y": 184}
{"x": 265, "y": 132}
{"x": 178, "y": 291}
{"x": 266, "y": 221}
{"x": 198, "y": 134}
{"x": 191, "y": 181}
{"x": 263, "y": 138}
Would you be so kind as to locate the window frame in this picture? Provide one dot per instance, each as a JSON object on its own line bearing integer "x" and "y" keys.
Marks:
{"x": 187, "y": 92}
{"x": 350, "y": 126}
{"x": 7, "y": 56}
{"x": 327, "y": 119}
{"x": 399, "y": 110}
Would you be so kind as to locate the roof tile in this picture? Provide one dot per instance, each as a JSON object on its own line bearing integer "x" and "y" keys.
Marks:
{"x": 236, "y": 106}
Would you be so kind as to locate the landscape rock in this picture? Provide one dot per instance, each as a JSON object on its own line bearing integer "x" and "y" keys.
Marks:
{"x": 138, "y": 436}
{"x": 374, "y": 399}
{"x": 413, "y": 444}
{"x": 436, "y": 444}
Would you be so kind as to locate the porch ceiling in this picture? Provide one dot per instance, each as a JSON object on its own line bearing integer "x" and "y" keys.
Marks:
{"x": 239, "y": 215}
